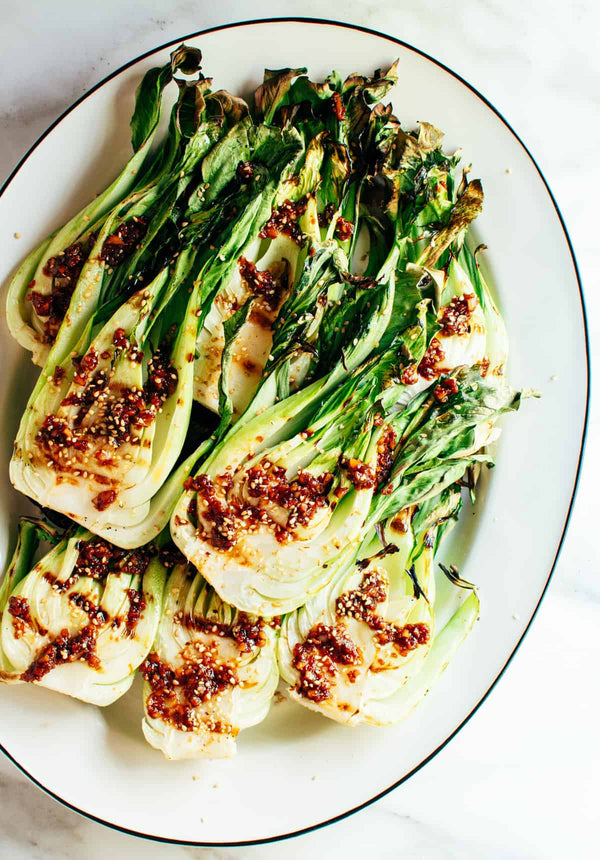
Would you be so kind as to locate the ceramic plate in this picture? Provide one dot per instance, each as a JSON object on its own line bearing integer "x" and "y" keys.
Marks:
{"x": 97, "y": 760}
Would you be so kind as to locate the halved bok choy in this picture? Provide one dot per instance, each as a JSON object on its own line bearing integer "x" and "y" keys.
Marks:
{"x": 367, "y": 648}
{"x": 82, "y": 619}
{"x": 273, "y": 427}
{"x": 316, "y": 205}
{"x": 269, "y": 519}
{"x": 41, "y": 290}
{"x": 211, "y": 671}
{"x": 104, "y": 427}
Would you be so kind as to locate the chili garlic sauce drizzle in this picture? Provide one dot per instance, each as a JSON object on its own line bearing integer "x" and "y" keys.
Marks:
{"x": 266, "y": 272}
{"x": 461, "y": 340}
{"x": 71, "y": 621}
{"x": 341, "y": 660}
{"x": 259, "y": 499}
{"x": 102, "y": 429}
{"x": 199, "y": 669}
{"x": 50, "y": 292}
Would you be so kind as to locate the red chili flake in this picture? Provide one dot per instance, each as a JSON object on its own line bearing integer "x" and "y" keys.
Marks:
{"x": 315, "y": 659}
{"x": 326, "y": 215}
{"x": 409, "y": 375}
{"x": 385, "y": 455}
{"x": 137, "y": 604}
{"x": 54, "y": 433}
{"x": 120, "y": 340}
{"x": 136, "y": 563}
{"x": 223, "y": 530}
{"x": 337, "y": 107}
{"x": 245, "y": 171}
{"x": 64, "y": 269}
{"x": 285, "y": 220}
{"x": 434, "y": 354}
{"x": 260, "y": 283}
{"x": 361, "y": 476}
{"x": 120, "y": 244}
{"x": 248, "y": 632}
{"x": 406, "y": 638}
{"x": 104, "y": 499}
{"x": 445, "y": 388}
{"x": 343, "y": 229}
{"x": 85, "y": 364}
{"x": 18, "y": 607}
{"x": 97, "y": 558}
{"x": 66, "y": 264}
{"x": 58, "y": 375}
{"x": 42, "y": 303}
{"x": 65, "y": 649}
{"x": 456, "y": 314}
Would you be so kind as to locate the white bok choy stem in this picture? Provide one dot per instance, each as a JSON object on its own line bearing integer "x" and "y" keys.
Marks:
{"x": 101, "y": 433}
{"x": 211, "y": 671}
{"x": 83, "y": 618}
{"x": 360, "y": 650}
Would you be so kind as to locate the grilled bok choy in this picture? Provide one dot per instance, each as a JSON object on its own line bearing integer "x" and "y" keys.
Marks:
{"x": 41, "y": 291}
{"x": 104, "y": 427}
{"x": 271, "y": 361}
{"x": 82, "y": 619}
{"x": 367, "y": 647}
{"x": 307, "y": 213}
{"x": 211, "y": 672}
{"x": 268, "y": 522}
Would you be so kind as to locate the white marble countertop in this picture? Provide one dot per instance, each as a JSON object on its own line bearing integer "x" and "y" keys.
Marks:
{"x": 521, "y": 779}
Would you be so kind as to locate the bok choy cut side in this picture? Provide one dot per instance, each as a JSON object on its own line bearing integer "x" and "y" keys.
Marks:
{"x": 366, "y": 648}
{"x": 92, "y": 441}
{"x": 211, "y": 672}
{"x": 83, "y": 618}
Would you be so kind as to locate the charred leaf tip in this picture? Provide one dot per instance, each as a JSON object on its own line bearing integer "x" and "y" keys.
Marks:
{"x": 417, "y": 589}
{"x": 186, "y": 59}
{"x": 453, "y": 575}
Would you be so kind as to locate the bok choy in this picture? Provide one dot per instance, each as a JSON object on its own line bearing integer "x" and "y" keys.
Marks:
{"x": 211, "y": 672}
{"x": 83, "y": 618}
{"x": 271, "y": 364}
{"x": 40, "y": 293}
{"x": 365, "y": 649}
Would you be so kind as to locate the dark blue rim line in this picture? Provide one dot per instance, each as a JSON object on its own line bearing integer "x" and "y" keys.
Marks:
{"x": 583, "y": 435}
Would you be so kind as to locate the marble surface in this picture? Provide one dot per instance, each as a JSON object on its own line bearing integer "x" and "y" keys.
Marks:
{"x": 521, "y": 779}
